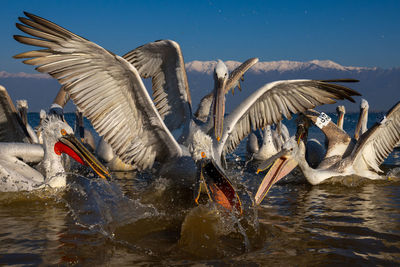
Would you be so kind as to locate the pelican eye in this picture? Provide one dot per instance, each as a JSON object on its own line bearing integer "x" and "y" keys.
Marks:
{"x": 203, "y": 155}
{"x": 63, "y": 132}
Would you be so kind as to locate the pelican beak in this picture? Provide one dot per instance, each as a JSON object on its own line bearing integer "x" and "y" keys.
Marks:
{"x": 214, "y": 183}
{"x": 23, "y": 114}
{"x": 219, "y": 107}
{"x": 363, "y": 113}
{"x": 70, "y": 145}
{"x": 358, "y": 129}
{"x": 282, "y": 164}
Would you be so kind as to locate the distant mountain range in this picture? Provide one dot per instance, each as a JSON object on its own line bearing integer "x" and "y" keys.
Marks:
{"x": 381, "y": 87}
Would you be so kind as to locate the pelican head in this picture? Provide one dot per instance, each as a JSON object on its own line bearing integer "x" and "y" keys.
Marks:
{"x": 341, "y": 110}
{"x": 58, "y": 138}
{"x": 42, "y": 114}
{"x": 364, "y": 104}
{"x": 284, "y": 161}
{"x": 220, "y": 79}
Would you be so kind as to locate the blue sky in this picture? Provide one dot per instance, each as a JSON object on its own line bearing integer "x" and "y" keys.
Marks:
{"x": 351, "y": 33}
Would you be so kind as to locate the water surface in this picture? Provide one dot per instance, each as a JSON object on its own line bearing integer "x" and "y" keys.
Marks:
{"x": 140, "y": 219}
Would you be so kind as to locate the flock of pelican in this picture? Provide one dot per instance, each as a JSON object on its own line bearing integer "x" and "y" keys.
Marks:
{"x": 137, "y": 130}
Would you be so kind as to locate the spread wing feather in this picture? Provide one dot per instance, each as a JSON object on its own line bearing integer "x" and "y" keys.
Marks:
{"x": 163, "y": 62}
{"x": 375, "y": 145}
{"x": 274, "y": 100}
{"x": 107, "y": 89}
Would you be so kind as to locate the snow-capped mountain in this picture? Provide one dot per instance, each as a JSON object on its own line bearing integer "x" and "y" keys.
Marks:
{"x": 381, "y": 87}
{"x": 280, "y": 66}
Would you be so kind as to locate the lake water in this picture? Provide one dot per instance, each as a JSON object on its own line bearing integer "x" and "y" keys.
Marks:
{"x": 139, "y": 219}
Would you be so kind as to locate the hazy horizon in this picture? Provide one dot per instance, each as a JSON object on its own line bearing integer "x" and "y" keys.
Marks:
{"x": 378, "y": 86}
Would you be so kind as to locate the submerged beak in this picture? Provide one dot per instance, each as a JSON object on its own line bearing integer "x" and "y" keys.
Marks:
{"x": 219, "y": 107}
{"x": 215, "y": 184}
{"x": 70, "y": 145}
{"x": 282, "y": 165}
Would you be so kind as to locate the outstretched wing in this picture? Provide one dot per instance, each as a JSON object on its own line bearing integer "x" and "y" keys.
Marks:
{"x": 12, "y": 128}
{"x": 163, "y": 62}
{"x": 375, "y": 145}
{"x": 107, "y": 89}
{"x": 274, "y": 100}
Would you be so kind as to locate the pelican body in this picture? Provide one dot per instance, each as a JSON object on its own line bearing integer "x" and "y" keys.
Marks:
{"x": 13, "y": 126}
{"x": 17, "y": 175}
{"x": 272, "y": 141}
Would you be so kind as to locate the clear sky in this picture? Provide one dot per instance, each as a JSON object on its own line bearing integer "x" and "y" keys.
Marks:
{"x": 351, "y": 33}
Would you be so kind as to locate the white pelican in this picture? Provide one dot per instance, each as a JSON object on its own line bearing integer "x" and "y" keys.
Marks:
{"x": 22, "y": 108}
{"x": 364, "y": 159}
{"x": 17, "y": 175}
{"x": 12, "y": 127}
{"x": 42, "y": 116}
{"x": 341, "y": 111}
{"x": 362, "y": 119}
{"x": 269, "y": 146}
{"x": 110, "y": 92}
{"x": 272, "y": 141}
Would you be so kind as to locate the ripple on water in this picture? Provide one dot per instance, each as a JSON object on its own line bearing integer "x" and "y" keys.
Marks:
{"x": 147, "y": 220}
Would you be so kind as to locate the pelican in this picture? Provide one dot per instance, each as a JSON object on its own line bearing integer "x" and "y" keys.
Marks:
{"x": 111, "y": 94}
{"x": 364, "y": 159}
{"x": 272, "y": 141}
{"x": 269, "y": 146}
{"x": 22, "y": 107}
{"x": 17, "y": 175}
{"x": 341, "y": 111}
{"x": 362, "y": 119}
{"x": 12, "y": 126}
{"x": 42, "y": 117}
